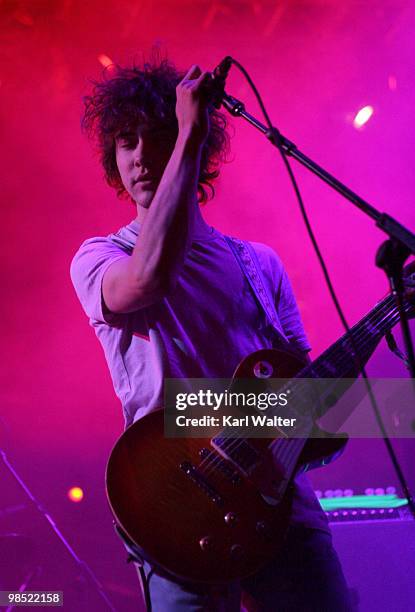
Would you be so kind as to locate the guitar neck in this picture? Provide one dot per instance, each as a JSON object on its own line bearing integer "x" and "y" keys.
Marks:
{"x": 343, "y": 359}
{"x": 346, "y": 357}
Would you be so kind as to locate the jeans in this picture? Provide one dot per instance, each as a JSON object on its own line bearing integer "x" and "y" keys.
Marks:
{"x": 305, "y": 576}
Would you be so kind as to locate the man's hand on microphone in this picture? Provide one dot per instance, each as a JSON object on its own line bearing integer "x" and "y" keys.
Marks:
{"x": 192, "y": 105}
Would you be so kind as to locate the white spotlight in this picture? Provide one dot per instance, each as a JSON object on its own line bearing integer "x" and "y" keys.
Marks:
{"x": 363, "y": 116}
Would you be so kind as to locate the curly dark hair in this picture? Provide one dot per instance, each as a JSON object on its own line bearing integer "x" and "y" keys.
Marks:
{"x": 126, "y": 97}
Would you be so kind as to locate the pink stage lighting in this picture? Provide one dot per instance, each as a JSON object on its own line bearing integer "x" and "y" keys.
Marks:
{"x": 392, "y": 82}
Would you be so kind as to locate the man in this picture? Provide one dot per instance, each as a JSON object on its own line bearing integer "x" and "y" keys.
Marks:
{"x": 167, "y": 298}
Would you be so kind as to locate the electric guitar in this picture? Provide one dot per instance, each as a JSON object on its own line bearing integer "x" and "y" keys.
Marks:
{"x": 215, "y": 510}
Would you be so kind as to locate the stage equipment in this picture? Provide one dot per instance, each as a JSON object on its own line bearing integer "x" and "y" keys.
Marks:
{"x": 377, "y": 550}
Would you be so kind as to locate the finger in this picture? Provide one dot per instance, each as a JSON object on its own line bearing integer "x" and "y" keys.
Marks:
{"x": 409, "y": 268}
{"x": 193, "y": 72}
{"x": 204, "y": 79}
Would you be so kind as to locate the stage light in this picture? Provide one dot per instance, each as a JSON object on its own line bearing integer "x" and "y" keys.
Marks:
{"x": 362, "y": 501}
{"x": 76, "y": 494}
{"x": 105, "y": 60}
{"x": 363, "y": 116}
{"x": 392, "y": 82}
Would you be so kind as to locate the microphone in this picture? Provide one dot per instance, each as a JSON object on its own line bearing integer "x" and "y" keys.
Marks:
{"x": 220, "y": 75}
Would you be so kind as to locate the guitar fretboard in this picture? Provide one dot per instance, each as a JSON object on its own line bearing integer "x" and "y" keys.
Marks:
{"x": 350, "y": 351}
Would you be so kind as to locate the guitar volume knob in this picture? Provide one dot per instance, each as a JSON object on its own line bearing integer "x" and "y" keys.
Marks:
{"x": 237, "y": 552}
{"x": 206, "y": 543}
{"x": 231, "y": 519}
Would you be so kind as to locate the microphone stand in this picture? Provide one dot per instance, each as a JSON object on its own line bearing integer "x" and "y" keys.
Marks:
{"x": 84, "y": 568}
{"x": 391, "y": 255}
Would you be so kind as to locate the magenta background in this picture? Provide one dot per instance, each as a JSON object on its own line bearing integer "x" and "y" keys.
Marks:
{"x": 316, "y": 63}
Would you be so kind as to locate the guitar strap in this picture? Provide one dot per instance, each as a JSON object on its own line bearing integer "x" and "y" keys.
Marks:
{"x": 248, "y": 261}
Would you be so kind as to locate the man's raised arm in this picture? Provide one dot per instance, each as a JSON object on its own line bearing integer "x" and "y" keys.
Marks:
{"x": 152, "y": 270}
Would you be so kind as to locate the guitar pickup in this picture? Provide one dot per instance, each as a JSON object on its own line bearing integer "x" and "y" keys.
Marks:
{"x": 194, "y": 474}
